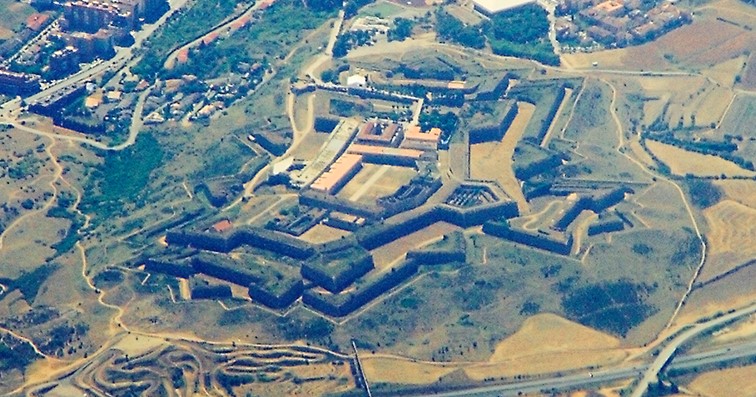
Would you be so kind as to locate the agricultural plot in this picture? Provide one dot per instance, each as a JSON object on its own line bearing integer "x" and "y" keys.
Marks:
{"x": 735, "y": 382}
{"x": 682, "y": 162}
{"x": 729, "y": 236}
{"x": 734, "y": 290}
{"x": 739, "y": 122}
{"x": 741, "y": 191}
{"x": 717, "y": 42}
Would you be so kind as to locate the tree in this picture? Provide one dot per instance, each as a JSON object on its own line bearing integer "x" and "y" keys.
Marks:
{"x": 402, "y": 29}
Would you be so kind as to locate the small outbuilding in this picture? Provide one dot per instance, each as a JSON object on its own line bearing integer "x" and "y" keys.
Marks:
{"x": 356, "y": 80}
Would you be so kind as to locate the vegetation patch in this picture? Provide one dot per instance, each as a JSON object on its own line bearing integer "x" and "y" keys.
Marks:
{"x": 123, "y": 176}
{"x": 522, "y": 32}
{"x": 30, "y": 282}
{"x": 703, "y": 193}
{"x": 182, "y": 28}
{"x": 614, "y": 307}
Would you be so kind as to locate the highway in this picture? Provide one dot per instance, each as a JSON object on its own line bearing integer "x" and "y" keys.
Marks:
{"x": 666, "y": 355}
{"x": 588, "y": 380}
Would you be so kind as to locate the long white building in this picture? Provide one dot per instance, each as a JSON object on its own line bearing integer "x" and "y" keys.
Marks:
{"x": 491, "y": 7}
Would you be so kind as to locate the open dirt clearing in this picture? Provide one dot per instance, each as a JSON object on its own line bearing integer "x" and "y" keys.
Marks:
{"x": 547, "y": 343}
{"x": 394, "y": 370}
{"x": 387, "y": 254}
{"x": 323, "y": 233}
{"x": 682, "y": 162}
{"x": 546, "y": 333}
{"x": 493, "y": 160}
{"x": 733, "y": 382}
{"x": 376, "y": 180}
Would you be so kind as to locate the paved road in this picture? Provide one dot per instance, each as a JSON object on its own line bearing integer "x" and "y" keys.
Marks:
{"x": 587, "y": 380}
{"x": 666, "y": 355}
{"x": 224, "y": 27}
{"x": 123, "y": 55}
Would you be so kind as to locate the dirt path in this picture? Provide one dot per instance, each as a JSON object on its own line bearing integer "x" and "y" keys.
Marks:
{"x": 55, "y": 176}
{"x": 136, "y": 124}
{"x": 688, "y": 209}
{"x": 228, "y": 25}
{"x": 550, "y": 132}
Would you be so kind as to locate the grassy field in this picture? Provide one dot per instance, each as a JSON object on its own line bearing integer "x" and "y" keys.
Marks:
{"x": 381, "y": 9}
{"x": 681, "y": 162}
{"x": 748, "y": 78}
{"x": 591, "y": 122}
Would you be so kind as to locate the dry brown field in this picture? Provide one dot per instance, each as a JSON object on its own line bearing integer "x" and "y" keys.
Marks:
{"x": 5, "y": 33}
{"x": 310, "y": 146}
{"x": 389, "y": 253}
{"x": 303, "y": 108}
{"x": 743, "y": 329}
{"x": 630, "y": 58}
{"x": 735, "y": 290}
{"x": 705, "y": 42}
{"x": 731, "y": 382}
{"x": 729, "y": 238}
{"x": 682, "y": 162}
{"x": 544, "y": 343}
{"x": 403, "y": 371}
{"x": 549, "y": 343}
{"x": 748, "y": 78}
{"x": 731, "y": 228}
{"x": 323, "y": 233}
{"x": 742, "y": 191}
{"x": 493, "y": 160}
{"x": 547, "y": 333}
{"x": 709, "y": 107}
{"x": 637, "y": 151}
{"x": 677, "y": 90}
{"x": 464, "y": 14}
{"x": 725, "y": 72}
{"x": 376, "y": 180}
